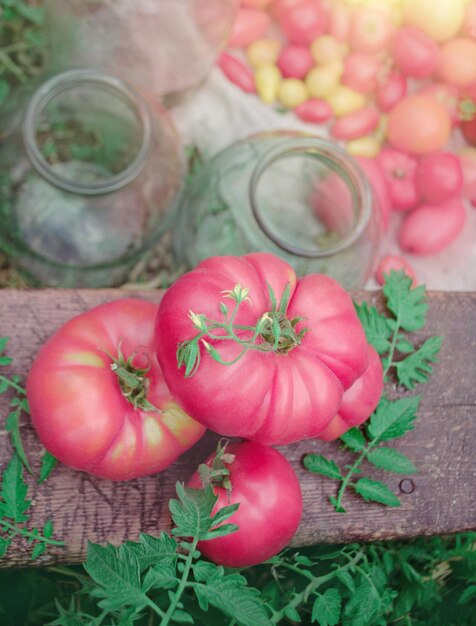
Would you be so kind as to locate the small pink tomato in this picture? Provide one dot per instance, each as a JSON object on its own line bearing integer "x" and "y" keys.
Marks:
{"x": 370, "y": 31}
{"x": 399, "y": 171}
{"x": 439, "y": 177}
{"x": 314, "y": 111}
{"x": 356, "y": 124}
{"x": 249, "y": 25}
{"x": 431, "y": 228}
{"x": 447, "y": 96}
{"x": 415, "y": 53}
{"x": 361, "y": 71}
{"x": 391, "y": 90}
{"x": 302, "y": 23}
{"x": 394, "y": 262}
{"x": 295, "y": 61}
{"x": 458, "y": 62}
{"x": 418, "y": 125}
{"x": 340, "y": 21}
{"x": 467, "y": 158}
{"x": 374, "y": 173}
{"x": 237, "y": 72}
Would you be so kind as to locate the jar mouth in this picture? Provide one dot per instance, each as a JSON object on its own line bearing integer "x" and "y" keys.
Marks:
{"x": 80, "y": 88}
{"x": 343, "y": 230}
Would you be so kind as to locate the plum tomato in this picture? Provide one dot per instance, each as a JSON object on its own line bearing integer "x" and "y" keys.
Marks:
{"x": 237, "y": 72}
{"x": 415, "y": 53}
{"x": 390, "y": 90}
{"x": 429, "y": 229}
{"x": 458, "y": 62}
{"x": 356, "y": 124}
{"x": 305, "y": 21}
{"x": 418, "y": 125}
{"x": 467, "y": 158}
{"x": 399, "y": 170}
{"x": 267, "y": 489}
{"x": 441, "y": 20}
{"x": 439, "y": 177}
{"x": 314, "y": 111}
{"x": 98, "y": 399}
{"x": 394, "y": 262}
{"x": 358, "y": 402}
{"x": 265, "y": 384}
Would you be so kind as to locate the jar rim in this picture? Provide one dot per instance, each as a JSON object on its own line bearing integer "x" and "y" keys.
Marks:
{"x": 342, "y": 163}
{"x": 67, "y": 80}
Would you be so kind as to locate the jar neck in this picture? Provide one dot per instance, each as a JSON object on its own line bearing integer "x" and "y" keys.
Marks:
{"x": 112, "y": 92}
{"x": 330, "y": 160}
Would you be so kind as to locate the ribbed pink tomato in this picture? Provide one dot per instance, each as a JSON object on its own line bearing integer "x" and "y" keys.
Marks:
{"x": 291, "y": 347}
{"x": 98, "y": 399}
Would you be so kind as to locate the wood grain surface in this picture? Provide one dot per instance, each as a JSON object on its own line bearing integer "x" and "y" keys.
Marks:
{"x": 441, "y": 498}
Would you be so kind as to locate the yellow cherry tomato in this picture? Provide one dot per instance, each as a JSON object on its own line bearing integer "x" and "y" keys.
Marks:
{"x": 327, "y": 49}
{"x": 344, "y": 100}
{"x": 292, "y": 92}
{"x": 263, "y": 51}
{"x": 267, "y": 79}
{"x": 364, "y": 147}
{"x": 323, "y": 80}
{"x": 440, "y": 19}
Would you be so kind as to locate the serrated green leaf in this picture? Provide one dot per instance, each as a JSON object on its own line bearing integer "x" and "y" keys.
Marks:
{"x": 203, "y": 571}
{"x": 4, "y": 545}
{"x": 233, "y": 598}
{"x": 220, "y": 531}
{"x": 291, "y": 613}
{"x": 116, "y": 572}
{"x": 38, "y": 551}
{"x": 468, "y": 594}
{"x": 376, "y": 327}
{"x": 327, "y": 607}
{"x": 392, "y": 419}
{"x": 406, "y": 303}
{"x": 375, "y": 491}
{"x": 48, "y": 529}
{"x": 346, "y": 579}
{"x": 182, "y": 617}
{"x": 223, "y": 514}
{"x": 12, "y": 426}
{"x": 404, "y": 346}
{"x": 70, "y": 616}
{"x": 417, "y": 367}
{"x": 303, "y": 560}
{"x": 318, "y": 464}
{"x": 14, "y": 491}
{"x": 48, "y": 463}
{"x": 191, "y": 512}
{"x": 154, "y": 551}
{"x": 391, "y": 460}
{"x": 362, "y": 607}
{"x": 354, "y": 439}
{"x": 160, "y": 577}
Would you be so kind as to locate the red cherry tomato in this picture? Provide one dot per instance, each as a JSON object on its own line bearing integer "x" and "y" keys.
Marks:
{"x": 439, "y": 177}
{"x": 314, "y": 110}
{"x": 399, "y": 170}
{"x": 415, "y": 53}
{"x": 394, "y": 262}
{"x": 270, "y": 506}
{"x": 391, "y": 90}
{"x": 418, "y": 125}
{"x": 361, "y": 71}
{"x": 90, "y": 420}
{"x": 295, "y": 61}
{"x": 305, "y": 21}
{"x": 429, "y": 229}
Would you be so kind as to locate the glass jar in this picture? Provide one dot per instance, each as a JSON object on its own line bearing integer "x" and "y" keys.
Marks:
{"x": 167, "y": 46}
{"x": 297, "y": 196}
{"x": 90, "y": 173}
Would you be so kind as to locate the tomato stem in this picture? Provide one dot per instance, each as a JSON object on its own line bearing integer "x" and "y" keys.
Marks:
{"x": 133, "y": 381}
{"x": 182, "y": 585}
{"x": 273, "y": 332}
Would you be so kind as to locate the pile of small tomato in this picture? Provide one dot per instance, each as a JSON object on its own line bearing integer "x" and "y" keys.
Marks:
{"x": 239, "y": 345}
{"x": 393, "y": 80}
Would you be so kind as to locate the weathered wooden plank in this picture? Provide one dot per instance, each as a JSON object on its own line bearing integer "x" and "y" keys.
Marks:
{"x": 439, "y": 499}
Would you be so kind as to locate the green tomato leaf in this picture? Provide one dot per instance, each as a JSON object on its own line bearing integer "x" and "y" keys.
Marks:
{"x": 318, "y": 464}
{"x": 38, "y": 551}
{"x": 160, "y": 577}
{"x": 362, "y": 607}
{"x": 291, "y": 613}
{"x": 4, "y": 545}
{"x": 416, "y": 368}
{"x": 391, "y": 460}
{"x": 12, "y": 425}
{"x": 116, "y": 573}
{"x": 354, "y": 439}
{"x": 182, "y": 617}
{"x": 407, "y": 304}
{"x": 327, "y": 607}
{"x": 346, "y": 579}
{"x": 377, "y": 329}
{"x": 392, "y": 419}
{"x": 154, "y": 551}
{"x": 375, "y": 491}
{"x": 468, "y": 594}
{"x": 14, "y": 491}
{"x": 203, "y": 571}
{"x": 404, "y": 346}
{"x": 231, "y": 595}
{"x": 48, "y": 463}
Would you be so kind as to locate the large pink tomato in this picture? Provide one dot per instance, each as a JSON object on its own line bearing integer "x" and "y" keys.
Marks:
{"x": 291, "y": 347}
{"x": 98, "y": 399}
{"x": 267, "y": 489}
